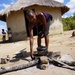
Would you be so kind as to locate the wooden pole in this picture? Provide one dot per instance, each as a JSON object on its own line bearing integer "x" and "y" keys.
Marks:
{"x": 19, "y": 67}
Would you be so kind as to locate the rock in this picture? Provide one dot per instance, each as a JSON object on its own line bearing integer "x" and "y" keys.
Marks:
{"x": 44, "y": 60}
{"x": 68, "y": 60}
{"x": 56, "y": 55}
{"x": 73, "y": 33}
{"x": 3, "y": 60}
{"x": 44, "y": 66}
{"x": 21, "y": 53}
{"x": 8, "y": 58}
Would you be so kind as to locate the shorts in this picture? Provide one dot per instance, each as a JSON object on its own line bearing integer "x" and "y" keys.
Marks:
{"x": 10, "y": 35}
{"x": 40, "y": 28}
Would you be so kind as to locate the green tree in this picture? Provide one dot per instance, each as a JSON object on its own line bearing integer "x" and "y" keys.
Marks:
{"x": 73, "y": 16}
{"x": 69, "y": 23}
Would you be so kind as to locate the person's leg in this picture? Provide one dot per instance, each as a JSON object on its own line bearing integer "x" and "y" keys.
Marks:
{"x": 10, "y": 39}
{"x": 46, "y": 34}
{"x": 39, "y": 41}
{"x": 47, "y": 41}
{"x": 4, "y": 39}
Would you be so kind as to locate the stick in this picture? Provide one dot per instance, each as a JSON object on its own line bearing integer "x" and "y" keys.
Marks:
{"x": 61, "y": 64}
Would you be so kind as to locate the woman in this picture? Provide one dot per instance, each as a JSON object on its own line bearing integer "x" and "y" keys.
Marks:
{"x": 42, "y": 21}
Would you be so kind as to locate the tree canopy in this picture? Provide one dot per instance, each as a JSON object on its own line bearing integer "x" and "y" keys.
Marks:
{"x": 69, "y": 23}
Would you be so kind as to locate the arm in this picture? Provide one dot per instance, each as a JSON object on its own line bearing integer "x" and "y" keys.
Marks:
{"x": 31, "y": 39}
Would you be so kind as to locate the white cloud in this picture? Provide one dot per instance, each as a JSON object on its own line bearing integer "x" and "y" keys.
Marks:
{"x": 1, "y": 10}
{"x": 5, "y": 5}
{"x": 64, "y": 16}
{"x": 71, "y": 5}
{"x": 62, "y": 1}
{"x": 12, "y": 1}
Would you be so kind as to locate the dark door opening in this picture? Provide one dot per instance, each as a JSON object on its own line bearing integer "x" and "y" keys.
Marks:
{"x": 27, "y": 22}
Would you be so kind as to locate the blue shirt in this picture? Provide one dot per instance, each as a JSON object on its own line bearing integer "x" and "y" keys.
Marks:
{"x": 48, "y": 16}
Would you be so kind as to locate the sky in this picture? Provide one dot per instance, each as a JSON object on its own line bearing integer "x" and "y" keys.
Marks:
{"x": 6, "y": 3}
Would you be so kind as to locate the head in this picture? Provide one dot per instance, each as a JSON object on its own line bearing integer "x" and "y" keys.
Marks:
{"x": 30, "y": 14}
{"x": 9, "y": 29}
{"x": 3, "y": 30}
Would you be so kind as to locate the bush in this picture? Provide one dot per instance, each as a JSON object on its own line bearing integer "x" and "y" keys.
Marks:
{"x": 68, "y": 23}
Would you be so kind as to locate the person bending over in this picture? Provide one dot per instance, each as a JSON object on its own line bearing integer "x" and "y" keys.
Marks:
{"x": 41, "y": 21}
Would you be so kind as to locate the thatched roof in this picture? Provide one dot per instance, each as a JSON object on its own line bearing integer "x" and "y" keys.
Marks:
{"x": 20, "y": 4}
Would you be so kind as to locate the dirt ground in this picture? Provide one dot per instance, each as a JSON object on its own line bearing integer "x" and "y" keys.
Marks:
{"x": 61, "y": 42}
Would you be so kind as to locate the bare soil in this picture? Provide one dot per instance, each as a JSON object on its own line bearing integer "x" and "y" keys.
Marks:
{"x": 61, "y": 42}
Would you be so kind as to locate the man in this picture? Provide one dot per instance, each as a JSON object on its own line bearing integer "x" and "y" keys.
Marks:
{"x": 42, "y": 22}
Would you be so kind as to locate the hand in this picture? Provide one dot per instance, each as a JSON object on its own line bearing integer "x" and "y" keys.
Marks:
{"x": 32, "y": 57}
{"x": 42, "y": 35}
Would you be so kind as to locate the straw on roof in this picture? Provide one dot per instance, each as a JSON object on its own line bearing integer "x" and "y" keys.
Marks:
{"x": 25, "y": 3}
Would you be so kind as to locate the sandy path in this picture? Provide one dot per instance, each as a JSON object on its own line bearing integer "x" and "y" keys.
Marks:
{"x": 62, "y": 42}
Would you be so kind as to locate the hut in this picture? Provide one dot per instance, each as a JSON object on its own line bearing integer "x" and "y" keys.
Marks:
{"x": 15, "y": 17}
